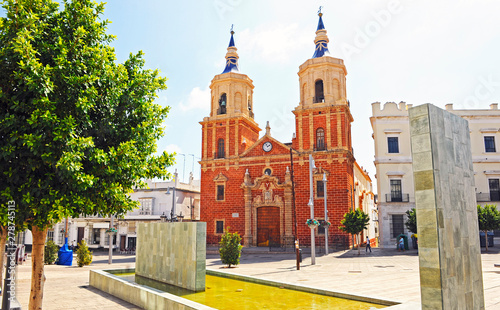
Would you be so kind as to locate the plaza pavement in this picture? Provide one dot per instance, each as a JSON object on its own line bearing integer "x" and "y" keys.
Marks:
{"x": 385, "y": 273}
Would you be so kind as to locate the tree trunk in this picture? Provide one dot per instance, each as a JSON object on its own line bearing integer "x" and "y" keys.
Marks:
{"x": 359, "y": 244}
{"x": 37, "y": 276}
{"x": 3, "y": 240}
{"x": 485, "y": 239}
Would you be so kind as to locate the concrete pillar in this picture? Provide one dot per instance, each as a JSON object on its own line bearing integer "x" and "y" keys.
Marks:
{"x": 448, "y": 233}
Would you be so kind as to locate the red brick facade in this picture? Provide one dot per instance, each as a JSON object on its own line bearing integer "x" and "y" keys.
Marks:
{"x": 260, "y": 206}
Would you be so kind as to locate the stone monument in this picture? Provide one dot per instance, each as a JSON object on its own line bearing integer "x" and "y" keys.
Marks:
{"x": 172, "y": 253}
{"x": 449, "y": 252}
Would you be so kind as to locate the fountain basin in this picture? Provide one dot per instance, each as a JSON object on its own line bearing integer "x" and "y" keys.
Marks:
{"x": 148, "y": 297}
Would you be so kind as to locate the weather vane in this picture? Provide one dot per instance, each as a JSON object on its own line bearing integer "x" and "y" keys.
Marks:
{"x": 319, "y": 11}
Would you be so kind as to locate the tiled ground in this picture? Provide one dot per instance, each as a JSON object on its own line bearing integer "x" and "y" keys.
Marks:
{"x": 385, "y": 273}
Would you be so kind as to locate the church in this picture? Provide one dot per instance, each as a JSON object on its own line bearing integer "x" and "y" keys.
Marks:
{"x": 259, "y": 186}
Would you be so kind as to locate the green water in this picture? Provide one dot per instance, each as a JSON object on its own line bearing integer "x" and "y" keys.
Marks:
{"x": 228, "y": 294}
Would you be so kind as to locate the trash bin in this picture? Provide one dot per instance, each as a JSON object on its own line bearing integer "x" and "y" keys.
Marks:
{"x": 490, "y": 239}
{"x": 405, "y": 238}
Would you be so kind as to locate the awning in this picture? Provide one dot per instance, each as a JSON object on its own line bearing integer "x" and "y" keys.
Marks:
{"x": 101, "y": 225}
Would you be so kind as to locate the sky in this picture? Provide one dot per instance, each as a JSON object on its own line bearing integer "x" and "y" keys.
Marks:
{"x": 418, "y": 52}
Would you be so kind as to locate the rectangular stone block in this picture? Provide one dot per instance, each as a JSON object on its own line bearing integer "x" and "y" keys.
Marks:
{"x": 172, "y": 253}
{"x": 449, "y": 253}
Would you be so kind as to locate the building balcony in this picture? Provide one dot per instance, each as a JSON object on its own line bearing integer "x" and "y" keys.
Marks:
{"x": 397, "y": 198}
{"x": 485, "y": 197}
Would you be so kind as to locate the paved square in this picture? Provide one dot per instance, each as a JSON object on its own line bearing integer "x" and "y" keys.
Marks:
{"x": 385, "y": 273}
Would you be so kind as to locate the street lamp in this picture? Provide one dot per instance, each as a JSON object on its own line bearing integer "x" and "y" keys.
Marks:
{"x": 173, "y": 217}
{"x": 313, "y": 244}
{"x": 326, "y": 215}
{"x": 311, "y": 206}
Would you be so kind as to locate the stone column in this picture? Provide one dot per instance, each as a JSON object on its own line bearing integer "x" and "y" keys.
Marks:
{"x": 448, "y": 232}
{"x": 247, "y": 238}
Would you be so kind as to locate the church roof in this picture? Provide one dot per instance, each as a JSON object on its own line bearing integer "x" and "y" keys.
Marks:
{"x": 231, "y": 57}
{"x": 321, "y": 40}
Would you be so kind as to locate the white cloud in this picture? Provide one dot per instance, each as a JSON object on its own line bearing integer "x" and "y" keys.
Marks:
{"x": 197, "y": 99}
{"x": 274, "y": 42}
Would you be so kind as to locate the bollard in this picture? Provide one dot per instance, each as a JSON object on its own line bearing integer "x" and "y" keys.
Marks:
{"x": 298, "y": 254}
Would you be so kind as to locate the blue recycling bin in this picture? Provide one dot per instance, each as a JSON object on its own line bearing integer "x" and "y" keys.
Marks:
{"x": 65, "y": 255}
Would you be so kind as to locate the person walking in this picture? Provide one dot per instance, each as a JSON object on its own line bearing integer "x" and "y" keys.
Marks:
{"x": 368, "y": 245}
{"x": 401, "y": 244}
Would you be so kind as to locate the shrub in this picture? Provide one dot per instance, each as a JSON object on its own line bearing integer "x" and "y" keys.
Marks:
{"x": 230, "y": 248}
{"x": 83, "y": 255}
{"x": 411, "y": 222}
{"x": 50, "y": 252}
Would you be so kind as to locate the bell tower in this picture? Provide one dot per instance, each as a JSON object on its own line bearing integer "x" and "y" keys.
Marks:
{"x": 323, "y": 118}
{"x": 230, "y": 129}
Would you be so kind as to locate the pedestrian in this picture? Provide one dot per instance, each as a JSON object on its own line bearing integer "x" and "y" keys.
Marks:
{"x": 368, "y": 245}
{"x": 401, "y": 244}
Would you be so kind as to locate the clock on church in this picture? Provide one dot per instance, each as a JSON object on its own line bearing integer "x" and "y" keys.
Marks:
{"x": 267, "y": 147}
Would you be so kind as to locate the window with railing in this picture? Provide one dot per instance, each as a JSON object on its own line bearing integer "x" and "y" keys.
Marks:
{"x": 146, "y": 207}
{"x": 50, "y": 235}
{"x": 220, "y": 149}
{"x": 61, "y": 237}
{"x": 396, "y": 194}
{"x": 320, "y": 139}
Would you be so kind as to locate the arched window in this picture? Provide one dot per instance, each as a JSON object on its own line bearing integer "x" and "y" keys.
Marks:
{"x": 220, "y": 149}
{"x": 320, "y": 139}
{"x": 222, "y": 104}
{"x": 318, "y": 91}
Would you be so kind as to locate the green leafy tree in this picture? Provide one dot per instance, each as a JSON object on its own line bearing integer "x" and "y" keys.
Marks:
{"x": 83, "y": 255}
{"x": 489, "y": 219}
{"x": 78, "y": 130}
{"x": 411, "y": 222}
{"x": 230, "y": 248}
{"x": 50, "y": 253}
{"x": 354, "y": 222}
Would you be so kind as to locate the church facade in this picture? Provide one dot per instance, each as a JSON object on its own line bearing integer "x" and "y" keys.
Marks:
{"x": 259, "y": 186}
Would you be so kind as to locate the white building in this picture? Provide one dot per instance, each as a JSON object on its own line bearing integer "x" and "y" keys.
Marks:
{"x": 393, "y": 162}
{"x": 365, "y": 200}
{"x": 155, "y": 205}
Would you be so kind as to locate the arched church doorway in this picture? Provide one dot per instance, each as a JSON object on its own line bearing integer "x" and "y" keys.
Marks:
{"x": 268, "y": 226}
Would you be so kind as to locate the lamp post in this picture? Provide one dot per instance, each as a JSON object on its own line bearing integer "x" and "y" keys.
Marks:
{"x": 110, "y": 258}
{"x": 311, "y": 206}
{"x": 173, "y": 217}
{"x": 326, "y": 215}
